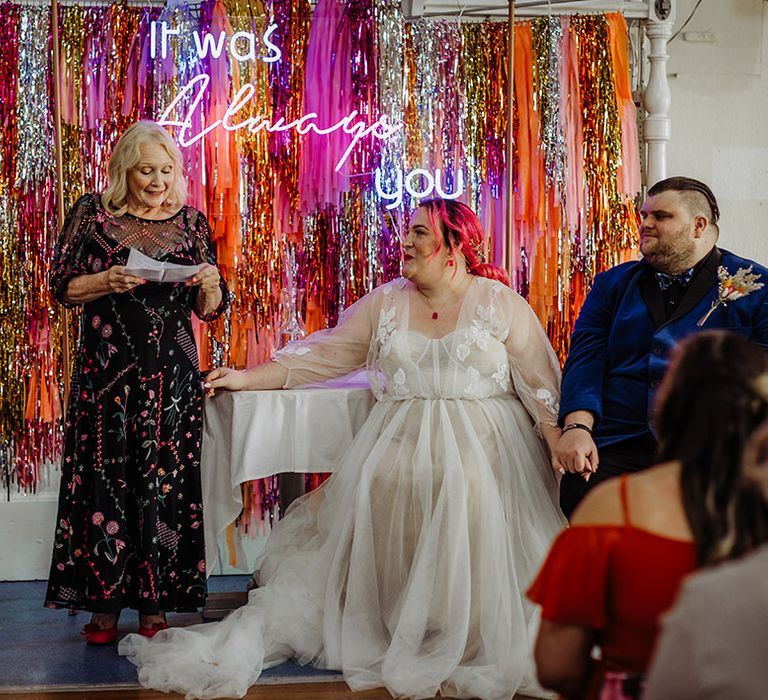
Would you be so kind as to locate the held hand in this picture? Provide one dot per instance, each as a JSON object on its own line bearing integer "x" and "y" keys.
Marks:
{"x": 119, "y": 282}
{"x": 207, "y": 278}
{"x": 224, "y": 378}
{"x": 551, "y": 435}
{"x": 575, "y": 452}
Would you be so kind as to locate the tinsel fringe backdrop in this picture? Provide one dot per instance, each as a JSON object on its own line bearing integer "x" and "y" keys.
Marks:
{"x": 286, "y": 207}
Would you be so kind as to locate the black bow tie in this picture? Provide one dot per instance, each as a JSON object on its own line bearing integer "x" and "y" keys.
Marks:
{"x": 665, "y": 280}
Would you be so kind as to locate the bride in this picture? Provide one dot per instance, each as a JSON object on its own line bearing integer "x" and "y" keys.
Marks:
{"x": 406, "y": 569}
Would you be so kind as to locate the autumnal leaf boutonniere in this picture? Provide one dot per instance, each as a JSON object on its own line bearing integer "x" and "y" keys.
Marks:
{"x": 731, "y": 287}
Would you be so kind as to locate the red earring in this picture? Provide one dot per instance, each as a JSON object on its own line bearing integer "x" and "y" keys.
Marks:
{"x": 450, "y": 263}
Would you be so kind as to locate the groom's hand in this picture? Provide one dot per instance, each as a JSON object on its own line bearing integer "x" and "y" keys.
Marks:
{"x": 575, "y": 452}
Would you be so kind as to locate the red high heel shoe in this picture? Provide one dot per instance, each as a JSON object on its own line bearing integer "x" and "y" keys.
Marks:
{"x": 99, "y": 636}
{"x": 150, "y": 632}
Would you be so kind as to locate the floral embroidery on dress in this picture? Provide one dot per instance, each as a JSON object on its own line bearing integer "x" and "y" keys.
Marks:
{"x": 135, "y": 409}
{"x": 377, "y": 385}
{"x": 501, "y": 376}
{"x": 387, "y": 330}
{"x": 398, "y": 383}
{"x": 473, "y": 377}
{"x": 294, "y": 349}
{"x": 545, "y": 396}
{"x": 485, "y": 324}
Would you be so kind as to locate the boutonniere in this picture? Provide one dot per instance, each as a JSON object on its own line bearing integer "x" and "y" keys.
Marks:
{"x": 731, "y": 287}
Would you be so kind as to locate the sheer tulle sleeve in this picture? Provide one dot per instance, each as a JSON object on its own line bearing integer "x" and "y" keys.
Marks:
{"x": 68, "y": 256}
{"x": 572, "y": 586}
{"x": 334, "y": 352}
{"x": 533, "y": 365}
{"x": 205, "y": 252}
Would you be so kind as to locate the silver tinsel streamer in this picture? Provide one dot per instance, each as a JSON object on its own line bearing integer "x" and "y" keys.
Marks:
{"x": 473, "y": 113}
{"x": 391, "y": 28}
{"x": 450, "y": 98}
{"x": 425, "y": 88}
{"x": 548, "y": 41}
{"x": 185, "y": 59}
{"x": 440, "y": 109}
{"x": 35, "y": 128}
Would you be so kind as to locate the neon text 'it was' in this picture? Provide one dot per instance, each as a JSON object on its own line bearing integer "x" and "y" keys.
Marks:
{"x": 242, "y": 45}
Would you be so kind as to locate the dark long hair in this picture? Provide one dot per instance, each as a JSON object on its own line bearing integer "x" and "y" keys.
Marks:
{"x": 461, "y": 229}
{"x": 712, "y": 398}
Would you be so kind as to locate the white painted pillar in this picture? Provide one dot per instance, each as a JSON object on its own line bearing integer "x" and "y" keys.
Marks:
{"x": 656, "y": 129}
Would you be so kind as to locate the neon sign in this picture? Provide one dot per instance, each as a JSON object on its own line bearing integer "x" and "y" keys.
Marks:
{"x": 208, "y": 44}
{"x": 242, "y": 47}
{"x": 351, "y": 124}
{"x": 430, "y": 184}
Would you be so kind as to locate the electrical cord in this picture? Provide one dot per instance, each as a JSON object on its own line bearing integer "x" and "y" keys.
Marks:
{"x": 685, "y": 24}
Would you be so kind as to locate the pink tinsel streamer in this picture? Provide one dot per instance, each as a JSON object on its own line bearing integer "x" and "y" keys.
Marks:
{"x": 326, "y": 93}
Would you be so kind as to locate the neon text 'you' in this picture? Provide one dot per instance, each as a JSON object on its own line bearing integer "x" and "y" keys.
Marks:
{"x": 242, "y": 45}
{"x": 430, "y": 184}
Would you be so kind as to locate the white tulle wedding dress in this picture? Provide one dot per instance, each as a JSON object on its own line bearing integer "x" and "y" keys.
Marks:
{"x": 407, "y": 568}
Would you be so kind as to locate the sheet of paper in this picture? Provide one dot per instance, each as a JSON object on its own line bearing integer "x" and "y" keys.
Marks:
{"x": 153, "y": 270}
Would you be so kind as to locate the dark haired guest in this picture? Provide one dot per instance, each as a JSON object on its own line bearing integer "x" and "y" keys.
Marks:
{"x": 610, "y": 576}
{"x": 633, "y": 317}
{"x": 129, "y": 525}
{"x": 713, "y": 645}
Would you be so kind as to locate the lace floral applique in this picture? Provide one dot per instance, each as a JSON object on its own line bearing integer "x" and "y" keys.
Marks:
{"x": 545, "y": 396}
{"x": 501, "y": 376}
{"x": 293, "y": 349}
{"x": 473, "y": 376}
{"x": 485, "y": 325}
{"x": 398, "y": 383}
{"x": 377, "y": 385}
{"x": 387, "y": 329}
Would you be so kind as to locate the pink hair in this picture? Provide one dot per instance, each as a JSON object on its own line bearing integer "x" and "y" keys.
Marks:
{"x": 463, "y": 232}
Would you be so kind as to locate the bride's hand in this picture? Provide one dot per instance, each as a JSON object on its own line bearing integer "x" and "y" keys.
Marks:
{"x": 225, "y": 378}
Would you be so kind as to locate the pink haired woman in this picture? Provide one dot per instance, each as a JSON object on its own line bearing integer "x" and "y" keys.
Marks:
{"x": 406, "y": 569}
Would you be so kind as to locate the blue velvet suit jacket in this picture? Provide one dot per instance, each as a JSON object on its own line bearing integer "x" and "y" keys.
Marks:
{"x": 621, "y": 343}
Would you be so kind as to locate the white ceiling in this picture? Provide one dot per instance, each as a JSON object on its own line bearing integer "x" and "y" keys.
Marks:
{"x": 480, "y": 9}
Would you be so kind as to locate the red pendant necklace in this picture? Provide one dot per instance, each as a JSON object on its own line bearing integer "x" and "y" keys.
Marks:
{"x": 436, "y": 313}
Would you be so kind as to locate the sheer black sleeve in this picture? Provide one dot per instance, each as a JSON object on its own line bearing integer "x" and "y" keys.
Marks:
{"x": 205, "y": 252}
{"x": 68, "y": 255}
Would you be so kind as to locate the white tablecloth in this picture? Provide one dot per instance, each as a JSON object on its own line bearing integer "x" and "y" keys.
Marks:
{"x": 249, "y": 435}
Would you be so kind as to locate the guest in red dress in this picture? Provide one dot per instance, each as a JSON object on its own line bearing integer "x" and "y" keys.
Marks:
{"x": 610, "y": 576}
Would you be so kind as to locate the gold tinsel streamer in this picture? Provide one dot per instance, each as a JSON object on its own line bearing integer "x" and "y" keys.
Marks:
{"x": 474, "y": 110}
{"x": 255, "y": 304}
{"x": 608, "y": 235}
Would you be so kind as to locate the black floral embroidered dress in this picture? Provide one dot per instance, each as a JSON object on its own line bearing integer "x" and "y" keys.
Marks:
{"x": 129, "y": 529}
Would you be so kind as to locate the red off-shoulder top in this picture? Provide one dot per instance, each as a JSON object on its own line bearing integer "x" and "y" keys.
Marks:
{"x": 617, "y": 579}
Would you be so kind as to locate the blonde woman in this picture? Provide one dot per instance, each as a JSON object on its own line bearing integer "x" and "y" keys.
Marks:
{"x": 129, "y": 526}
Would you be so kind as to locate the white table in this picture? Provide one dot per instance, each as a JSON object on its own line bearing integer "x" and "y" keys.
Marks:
{"x": 251, "y": 435}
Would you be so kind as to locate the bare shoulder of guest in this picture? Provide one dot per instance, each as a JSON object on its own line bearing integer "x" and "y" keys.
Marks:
{"x": 601, "y": 506}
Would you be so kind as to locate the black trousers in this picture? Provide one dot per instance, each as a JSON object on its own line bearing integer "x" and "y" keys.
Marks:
{"x": 619, "y": 458}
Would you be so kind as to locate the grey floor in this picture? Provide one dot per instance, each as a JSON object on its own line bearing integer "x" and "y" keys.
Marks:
{"x": 41, "y": 648}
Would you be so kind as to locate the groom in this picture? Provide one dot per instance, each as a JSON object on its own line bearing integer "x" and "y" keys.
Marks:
{"x": 632, "y": 318}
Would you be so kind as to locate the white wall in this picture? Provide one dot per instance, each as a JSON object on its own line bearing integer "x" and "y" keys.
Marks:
{"x": 719, "y": 135}
{"x": 720, "y": 114}
{"x": 27, "y": 524}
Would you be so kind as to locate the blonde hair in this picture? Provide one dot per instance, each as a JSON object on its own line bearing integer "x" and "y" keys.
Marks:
{"x": 127, "y": 154}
